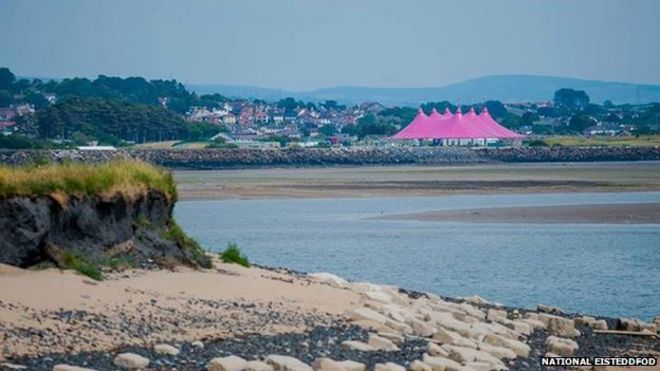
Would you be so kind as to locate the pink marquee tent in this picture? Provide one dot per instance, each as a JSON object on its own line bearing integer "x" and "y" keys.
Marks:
{"x": 455, "y": 126}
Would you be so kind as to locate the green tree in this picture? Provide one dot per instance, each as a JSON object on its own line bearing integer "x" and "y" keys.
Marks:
{"x": 570, "y": 99}
{"x": 6, "y": 98}
{"x": 7, "y": 78}
{"x": 328, "y": 130}
{"x": 579, "y": 122}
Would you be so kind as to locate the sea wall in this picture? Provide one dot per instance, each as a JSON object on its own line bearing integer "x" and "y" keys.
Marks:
{"x": 242, "y": 158}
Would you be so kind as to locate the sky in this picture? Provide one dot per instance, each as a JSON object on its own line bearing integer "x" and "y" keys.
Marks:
{"x": 307, "y": 44}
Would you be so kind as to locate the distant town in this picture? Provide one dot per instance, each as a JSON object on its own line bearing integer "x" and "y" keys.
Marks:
{"x": 117, "y": 112}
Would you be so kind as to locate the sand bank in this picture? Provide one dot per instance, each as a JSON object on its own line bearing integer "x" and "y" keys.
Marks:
{"x": 394, "y": 181}
{"x": 634, "y": 213}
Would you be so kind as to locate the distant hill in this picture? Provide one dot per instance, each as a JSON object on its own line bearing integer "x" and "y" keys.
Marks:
{"x": 507, "y": 88}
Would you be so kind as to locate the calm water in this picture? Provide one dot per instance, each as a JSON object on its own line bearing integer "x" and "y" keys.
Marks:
{"x": 591, "y": 268}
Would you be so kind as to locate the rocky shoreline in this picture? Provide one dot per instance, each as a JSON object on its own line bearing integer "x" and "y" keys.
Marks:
{"x": 250, "y": 158}
{"x": 386, "y": 329}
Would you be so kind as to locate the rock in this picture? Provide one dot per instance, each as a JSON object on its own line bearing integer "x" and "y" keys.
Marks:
{"x": 477, "y": 300}
{"x": 499, "y": 352}
{"x": 166, "y": 349}
{"x": 357, "y": 314}
{"x": 436, "y": 350}
{"x": 450, "y": 337}
{"x": 12, "y": 366}
{"x": 548, "y": 309}
{"x": 330, "y": 279}
{"x": 496, "y": 313}
{"x": 478, "y": 366}
{"x": 534, "y": 323}
{"x": 656, "y": 320}
{"x": 286, "y": 363}
{"x": 465, "y": 355}
{"x": 441, "y": 364}
{"x": 63, "y": 367}
{"x": 518, "y": 347}
{"x": 418, "y": 365}
{"x": 421, "y": 328}
{"x": 393, "y": 337}
{"x": 634, "y": 324}
{"x": 378, "y": 296}
{"x": 591, "y": 322}
{"x": 389, "y": 366}
{"x": 357, "y": 345}
{"x": 230, "y": 363}
{"x": 381, "y": 343}
{"x": 559, "y": 326}
{"x": 258, "y": 366}
{"x": 563, "y": 347}
{"x": 130, "y": 361}
{"x": 328, "y": 364}
{"x": 198, "y": 344}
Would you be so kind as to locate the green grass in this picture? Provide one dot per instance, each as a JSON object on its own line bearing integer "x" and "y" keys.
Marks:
{"x": 581, "y": 141}
{"x": 120, "y": 263}
{"x": 232, "y": 254}
{"x": 127, "y": 177}
{"x": 77, "y": 262}
{"x": 192, "y": 249}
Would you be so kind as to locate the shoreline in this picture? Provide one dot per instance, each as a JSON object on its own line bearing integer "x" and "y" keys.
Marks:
{"x": 273, "y": 310}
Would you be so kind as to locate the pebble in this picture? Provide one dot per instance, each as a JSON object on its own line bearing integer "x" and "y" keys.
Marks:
{"x": 130, "y": 361}
{"x": 286, "y": 363}
{"x": 230, "y": 363}
{"x": 62, "y": 367}
{"x": 166, "y": 349}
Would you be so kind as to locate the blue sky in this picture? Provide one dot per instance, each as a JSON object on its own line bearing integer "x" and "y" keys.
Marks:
{"x": 307, "y": 44}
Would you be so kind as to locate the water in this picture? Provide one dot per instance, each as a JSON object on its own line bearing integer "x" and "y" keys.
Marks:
{"x": 601, "y": 269}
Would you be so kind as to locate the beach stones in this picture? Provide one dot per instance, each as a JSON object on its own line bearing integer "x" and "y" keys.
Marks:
{"x": 477, "y": 300}
{"x": 550, "y": 310}
{"x": 130, "y": 361}
{"x": 286, "y": 363}
{"x": 559, "y": 326}
{"x": 258, "y": 366}
{"x": 465, "y": 355}
{"x": 421, "y": 328}
{"x": 436, "y": 350}
{"x": 418, "y": 365}
{"x": 230, "y": 363}
{"x": 636, "y": 325}
{"x": 389, "y": 366}
{"x": 166, "y": 349}
{"x": 561, "y": 346}
{"x": 357, "y": 314}
{"x": 63, "y": 367}
{"x": 591, "y": 322}
{"x": 328, "y": 364}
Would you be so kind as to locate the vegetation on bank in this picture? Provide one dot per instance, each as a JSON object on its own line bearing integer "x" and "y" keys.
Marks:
{"x": 232, "y": 254}
{"x": 126, "y": 177}
{"x": 78, "y": 262}
{"x": 193, "y": 250}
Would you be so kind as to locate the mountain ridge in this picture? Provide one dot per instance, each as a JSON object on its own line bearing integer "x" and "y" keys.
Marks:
{"x": 506, "y": 88}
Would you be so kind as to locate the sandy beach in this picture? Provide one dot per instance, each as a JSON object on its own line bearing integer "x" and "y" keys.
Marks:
{"x": 394, "y": 181}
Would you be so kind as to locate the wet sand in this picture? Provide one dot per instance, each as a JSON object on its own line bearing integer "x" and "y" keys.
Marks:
{"x": 394, "y": 181}
{"x": 644, "y": 213}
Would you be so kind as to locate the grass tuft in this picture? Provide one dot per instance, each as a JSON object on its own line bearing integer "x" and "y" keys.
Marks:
{"x": 192, "y": 249}
{"x": 127, "y": 177}
{"x": 232, "y": 254}
{"x": 77, "y": 262}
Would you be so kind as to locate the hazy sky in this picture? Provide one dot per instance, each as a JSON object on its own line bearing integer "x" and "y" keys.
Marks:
{"x": 306, "y": 44}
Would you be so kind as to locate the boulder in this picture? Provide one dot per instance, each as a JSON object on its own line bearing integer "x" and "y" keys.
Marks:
{"x": 634, "y": 324}
{"x": 392, "y": 336}
{"x": 330, "y": 279}
{"x": 496, "y": 313}
{"x": 418, "y": 365}
{"x": 286, "y": 363}
{"x": 477, "y": 300}
{"x": 465, "y": 355}
{"x": 378, "y": 296}
{"x": 63, "y": 367}
{"x": 561, "y": 346}
{"x": 548, "y": 309}
{"x": 559, "y": 326}
{"x": 381, "y": 343}
{"x": 518, "y": 347}
{"x": 357, "y": 345}
{"x": 421, "y": 328}
{"x": 389, "y": 366}
{"x": 258, "y": 366}
{"x": 130, "y": 361}
{"x": 436, "y": 350}
{"x": 450, "y": 337}
{"x": 477, "y": 366}
{"x": 591, "y": 322}
{"x": 230, "y": 363}
{"x": 357, "y": 314}
{"x": 441, "y": 363}
{"x": 499, "y": 352}
{"x": 328, "y": 364}
{"x": 198, "y": 344}
{"x": 166, "y": 349}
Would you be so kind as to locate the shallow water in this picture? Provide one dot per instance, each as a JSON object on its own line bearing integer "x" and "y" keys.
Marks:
{"x": 601, "y": 269}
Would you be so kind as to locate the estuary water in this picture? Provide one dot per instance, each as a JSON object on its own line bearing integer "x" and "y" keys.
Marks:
{"x": 600, "y": 269}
